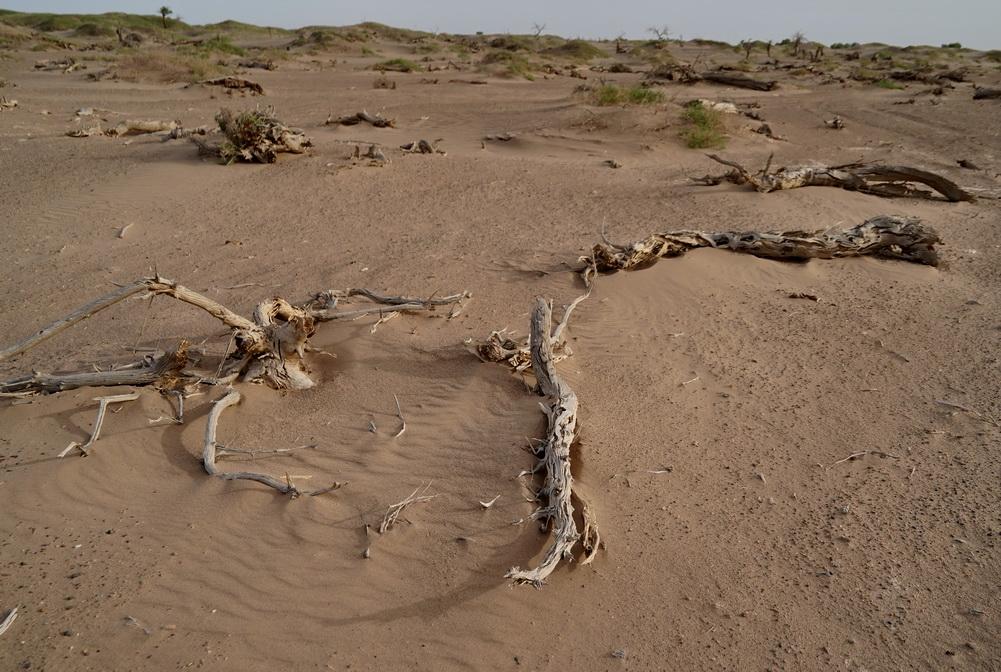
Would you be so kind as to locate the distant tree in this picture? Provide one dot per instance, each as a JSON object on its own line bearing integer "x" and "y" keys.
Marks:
{"x": 768, "y": 48}
{"x": 797, "y": 42}
{"x": 747, "y": 46}
{"x": 164, "y": 13}
{"x": 537, "y": 29}
{"x": 663, "y": 34}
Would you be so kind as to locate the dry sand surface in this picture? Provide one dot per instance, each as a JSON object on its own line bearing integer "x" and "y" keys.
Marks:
{"x": 715, "y": 410}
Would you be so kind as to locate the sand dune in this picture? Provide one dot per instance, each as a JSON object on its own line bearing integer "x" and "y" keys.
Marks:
{"x": 716, "y": 410}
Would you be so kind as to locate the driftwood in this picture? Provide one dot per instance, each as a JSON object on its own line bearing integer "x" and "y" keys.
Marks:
{"x": 126, "y": 128}
{"x": 235, "y": 84}
{"x": 209, "y": 448}
{"x": 254, "y": 136}
{"x": 887, "y": 237}
{"x": 268, "y": 348}
{"x": 554, "y": 455}
{"x": 364, "y": 116}
{"x": 983, "y": 93}
{"x": 423, "y": 147}
{"x": 875, "y": 179}
{"x": 66, "y": 65}
{"x": 7, "y": 104}
{"x": 835, "y": 123}
{"x": 259, "y": 65}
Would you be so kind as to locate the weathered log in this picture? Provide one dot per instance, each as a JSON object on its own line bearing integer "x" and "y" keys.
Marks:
{"x": 554, "y": 453}
{"x": 235, "y": 84}
{"x": 260, "y": 65}
{"x": 984, "y": 93}
{"x": 423, "y": 147}
{"x": 126, "y": 128}
{"x": 886, "y": 237}
{"x": 740, "y": 81}
{"x": 7, "y": 104}
{"x": 364, "y": 116}
{"x": 875, "y": 179}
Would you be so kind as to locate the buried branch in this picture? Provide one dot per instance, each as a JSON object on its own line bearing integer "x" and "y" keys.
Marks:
{"x": 286, "y": 487}
{"x": 889, "y": 237}
{"x": 268, "y": 348}
{"x": 875, "y": 179}
{"x": 560, "y": 408}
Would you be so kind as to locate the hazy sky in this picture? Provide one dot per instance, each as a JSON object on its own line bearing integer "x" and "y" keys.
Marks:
{"x": 975, "y": 23}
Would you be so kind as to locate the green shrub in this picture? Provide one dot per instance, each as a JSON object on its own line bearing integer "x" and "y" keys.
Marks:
{"x": 705, "y": 127}
{"x": 578, "y": 50}
{"x": 220, "y": 44}
{"x": 610, "y": 94}
{"x": 888, "y": 84}
{"x": 509, "y": 64}
{"x": 952, "y": 45}
{"x": 993, "y": 55}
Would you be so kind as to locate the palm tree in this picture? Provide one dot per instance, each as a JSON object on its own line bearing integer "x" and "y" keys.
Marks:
{"x": 164, "y": 13}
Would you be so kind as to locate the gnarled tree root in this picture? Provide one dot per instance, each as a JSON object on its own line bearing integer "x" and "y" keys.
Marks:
{"x": 875, "y": 179}
{"x": 268, "y": 348}
{"x": 885, "y": 236}
{"x": 554, "y": 453}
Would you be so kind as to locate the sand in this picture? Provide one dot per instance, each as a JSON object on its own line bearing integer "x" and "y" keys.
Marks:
{"x": 716, "y": 411}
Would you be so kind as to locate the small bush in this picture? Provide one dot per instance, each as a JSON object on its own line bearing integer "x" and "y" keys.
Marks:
{"x": 165, "y": 67}
{"x": 93, "y": 30}
{"x": 845, "y": 45}
{"x": 512, "y": 43}
{"x": 396, "y": 65}
{"x": 952, "y": 45}
{"x": 578, "y": 50}
{"x": 888, "y": 84}
{"x": 993, "y": 55}
{"x": 509, "y": 64}
{"x": 220, "y": 44}
{"x": 610, "y": 94}
{"x": 706, "y": 128}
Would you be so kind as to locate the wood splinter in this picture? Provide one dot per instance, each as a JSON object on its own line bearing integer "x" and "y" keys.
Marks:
{"x": 418, "y": 496}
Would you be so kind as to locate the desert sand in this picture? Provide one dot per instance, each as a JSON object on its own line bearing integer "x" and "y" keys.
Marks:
{"x": 716, "y": 410}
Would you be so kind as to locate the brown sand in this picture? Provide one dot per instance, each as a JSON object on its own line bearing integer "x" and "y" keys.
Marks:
{"x": 752, "y": 548}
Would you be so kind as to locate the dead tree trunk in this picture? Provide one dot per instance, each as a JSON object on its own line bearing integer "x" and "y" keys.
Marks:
{"x": 554, "y": 454}
{"x": 888, "y": 237}
{"x": 875, "y": 179}
{"x": 268, "y": 348}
